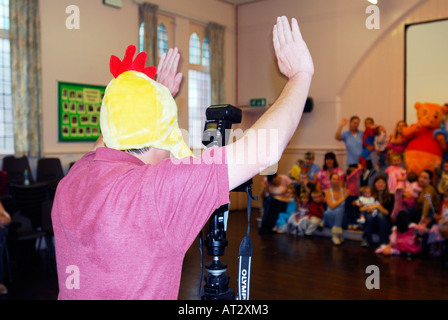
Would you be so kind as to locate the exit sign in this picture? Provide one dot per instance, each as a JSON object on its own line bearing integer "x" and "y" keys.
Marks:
{"x": 261, "y": 102}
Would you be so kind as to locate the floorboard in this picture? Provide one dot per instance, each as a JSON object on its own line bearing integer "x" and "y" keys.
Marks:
{"x": 287, "y": 267}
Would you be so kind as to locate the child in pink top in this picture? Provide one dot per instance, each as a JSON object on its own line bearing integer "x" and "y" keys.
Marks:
{"x": 396, "y": 173}
{"x": 403, "y": 238}
{"x": 352, "y": 184}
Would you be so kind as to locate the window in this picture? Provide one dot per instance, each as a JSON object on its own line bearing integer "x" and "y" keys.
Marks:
{"x": 165, "y": 35}
{"x": 195, "y": 49}
{"x": 199, "y": 84}
{"x": 206, "y": 52}
{"x": 162, "y": 40}
{"x": 141, "y": 37}
{"x": 6, "y": 108}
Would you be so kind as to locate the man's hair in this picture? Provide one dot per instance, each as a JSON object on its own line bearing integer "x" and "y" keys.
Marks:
{"x": 135, "y": 152}
{"x": 309, "y": 155}
{"x": 317, "y": 193}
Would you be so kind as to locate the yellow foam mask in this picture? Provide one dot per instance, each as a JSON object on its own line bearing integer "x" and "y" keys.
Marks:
{"x": 138, "y": 112}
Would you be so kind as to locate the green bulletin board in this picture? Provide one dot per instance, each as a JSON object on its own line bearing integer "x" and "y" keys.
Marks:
{"x": 79, "y": 111}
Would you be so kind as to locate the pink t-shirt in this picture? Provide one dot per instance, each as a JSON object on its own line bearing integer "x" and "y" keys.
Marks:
{"x": 122, "y": 228}
{"x": 394, "y": 173}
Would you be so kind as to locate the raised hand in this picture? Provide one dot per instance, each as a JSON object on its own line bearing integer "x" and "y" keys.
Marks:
{"x": 293, "y": 56}
{"x": 167, "y": 71}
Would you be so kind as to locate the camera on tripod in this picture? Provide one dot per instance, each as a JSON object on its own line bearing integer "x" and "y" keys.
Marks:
{"x": 218, "y": 124}
{"x": 217, "y": 130}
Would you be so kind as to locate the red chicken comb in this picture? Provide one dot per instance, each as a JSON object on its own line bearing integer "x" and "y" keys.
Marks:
{"x": 117, "y": 66}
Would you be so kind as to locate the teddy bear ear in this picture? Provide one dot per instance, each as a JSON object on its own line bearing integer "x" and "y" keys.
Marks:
{"x": 445, "y": 108}
{"x": 418, "y": 105}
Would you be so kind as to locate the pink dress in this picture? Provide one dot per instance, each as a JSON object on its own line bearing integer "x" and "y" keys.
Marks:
{"x": 394, "y": 173}
{"x": 406, "y": 242}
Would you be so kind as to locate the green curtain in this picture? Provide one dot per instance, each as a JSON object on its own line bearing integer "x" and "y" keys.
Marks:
{"x": 148, "y": 16}
{"x": 26, "y": 77}
{"x": 215, "y": 33}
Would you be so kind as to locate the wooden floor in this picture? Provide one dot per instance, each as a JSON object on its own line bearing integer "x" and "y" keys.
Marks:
{"x": 287, "y": 267}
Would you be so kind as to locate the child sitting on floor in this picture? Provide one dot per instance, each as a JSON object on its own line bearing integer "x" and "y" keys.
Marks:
{"x": 290, "y": 198}
{"x": 404, "y": 238}
{"x": 310, "y": 223}
{"x": 302, "y": 211}
{"x": 365, "y": 201}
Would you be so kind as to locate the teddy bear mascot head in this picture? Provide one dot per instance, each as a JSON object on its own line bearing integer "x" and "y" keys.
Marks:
{"x": 424, "y": 151}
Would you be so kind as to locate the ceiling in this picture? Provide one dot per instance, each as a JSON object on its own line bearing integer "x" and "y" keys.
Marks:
{"x": 238, "y": 2}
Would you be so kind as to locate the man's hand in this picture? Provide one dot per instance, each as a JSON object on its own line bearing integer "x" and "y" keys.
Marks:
{"x": 291, "y": 51}
{"x": 167, "y": 71}
{"x": 256, "y": 151}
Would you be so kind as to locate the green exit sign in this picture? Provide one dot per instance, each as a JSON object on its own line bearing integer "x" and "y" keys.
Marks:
{"x": 259, "y": 103}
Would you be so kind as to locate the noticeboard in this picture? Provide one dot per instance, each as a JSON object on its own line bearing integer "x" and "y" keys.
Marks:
{"x": 79, "y": 111}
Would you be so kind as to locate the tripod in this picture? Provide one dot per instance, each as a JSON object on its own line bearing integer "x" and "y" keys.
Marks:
{"x": 217, "y": 280}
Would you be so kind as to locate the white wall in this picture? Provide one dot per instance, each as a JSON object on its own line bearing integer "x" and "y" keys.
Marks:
{"x": 338, "y": 39}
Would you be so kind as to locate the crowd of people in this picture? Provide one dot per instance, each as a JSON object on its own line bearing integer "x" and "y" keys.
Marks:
{"x": 408, "y": 212}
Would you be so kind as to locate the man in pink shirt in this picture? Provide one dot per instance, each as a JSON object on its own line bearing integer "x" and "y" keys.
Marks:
{"x": 124, "y": 219}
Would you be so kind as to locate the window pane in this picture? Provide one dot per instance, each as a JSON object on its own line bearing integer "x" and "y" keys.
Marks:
{"x": 6, "y": 110}
{"x": 195, "y": 49}
{"x": 141, "y": 37}
{"x": 4, "y": 14}
{"x": 198, "y": 101}
{"x": 162, "y": 40}
{"x": 206, "y": 52}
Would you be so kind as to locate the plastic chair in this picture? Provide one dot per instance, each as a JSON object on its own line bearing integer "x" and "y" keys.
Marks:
{"x": 26, "y": 230}
{"x": 15, "y": 167}
{"x": 49, "y": 169}
{"x": 29, "y": 199}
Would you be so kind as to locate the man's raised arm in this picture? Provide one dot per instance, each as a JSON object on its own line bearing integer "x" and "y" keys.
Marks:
{"x": 263, "y": 144}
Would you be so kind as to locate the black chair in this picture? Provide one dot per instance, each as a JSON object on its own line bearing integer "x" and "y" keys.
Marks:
{"x": 26, "y": 231}
{"x": 49, "y": 169}
{"x": 15, "y": 167}
{"x": 28, "y": 200}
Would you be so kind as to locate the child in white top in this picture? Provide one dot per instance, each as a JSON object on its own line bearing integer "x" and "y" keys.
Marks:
{"x": 302, "y": 211}
{"x": 365, "y": 201}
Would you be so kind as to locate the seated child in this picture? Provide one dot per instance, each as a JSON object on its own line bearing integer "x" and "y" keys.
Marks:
{"x": 406, "y": 198}
{"x": 439, "y": 230}
{"x": 302, "y": 211}
{"x": 404, "y": 238}
{"x": 353, "y": 180}
{"x": 366, "y": 203}
{"x": 297, "y": 169}
{"x": 442, "y": 185}
{"x": 396, "y": 173}
{"x": 290, "y": 198}
{"x": 310, "y": 223}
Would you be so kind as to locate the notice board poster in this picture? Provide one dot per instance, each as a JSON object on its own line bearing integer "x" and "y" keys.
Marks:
{"x": 79, "y": 111}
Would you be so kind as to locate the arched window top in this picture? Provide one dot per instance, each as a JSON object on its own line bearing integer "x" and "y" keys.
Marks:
{"x": 195, "y": 49}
